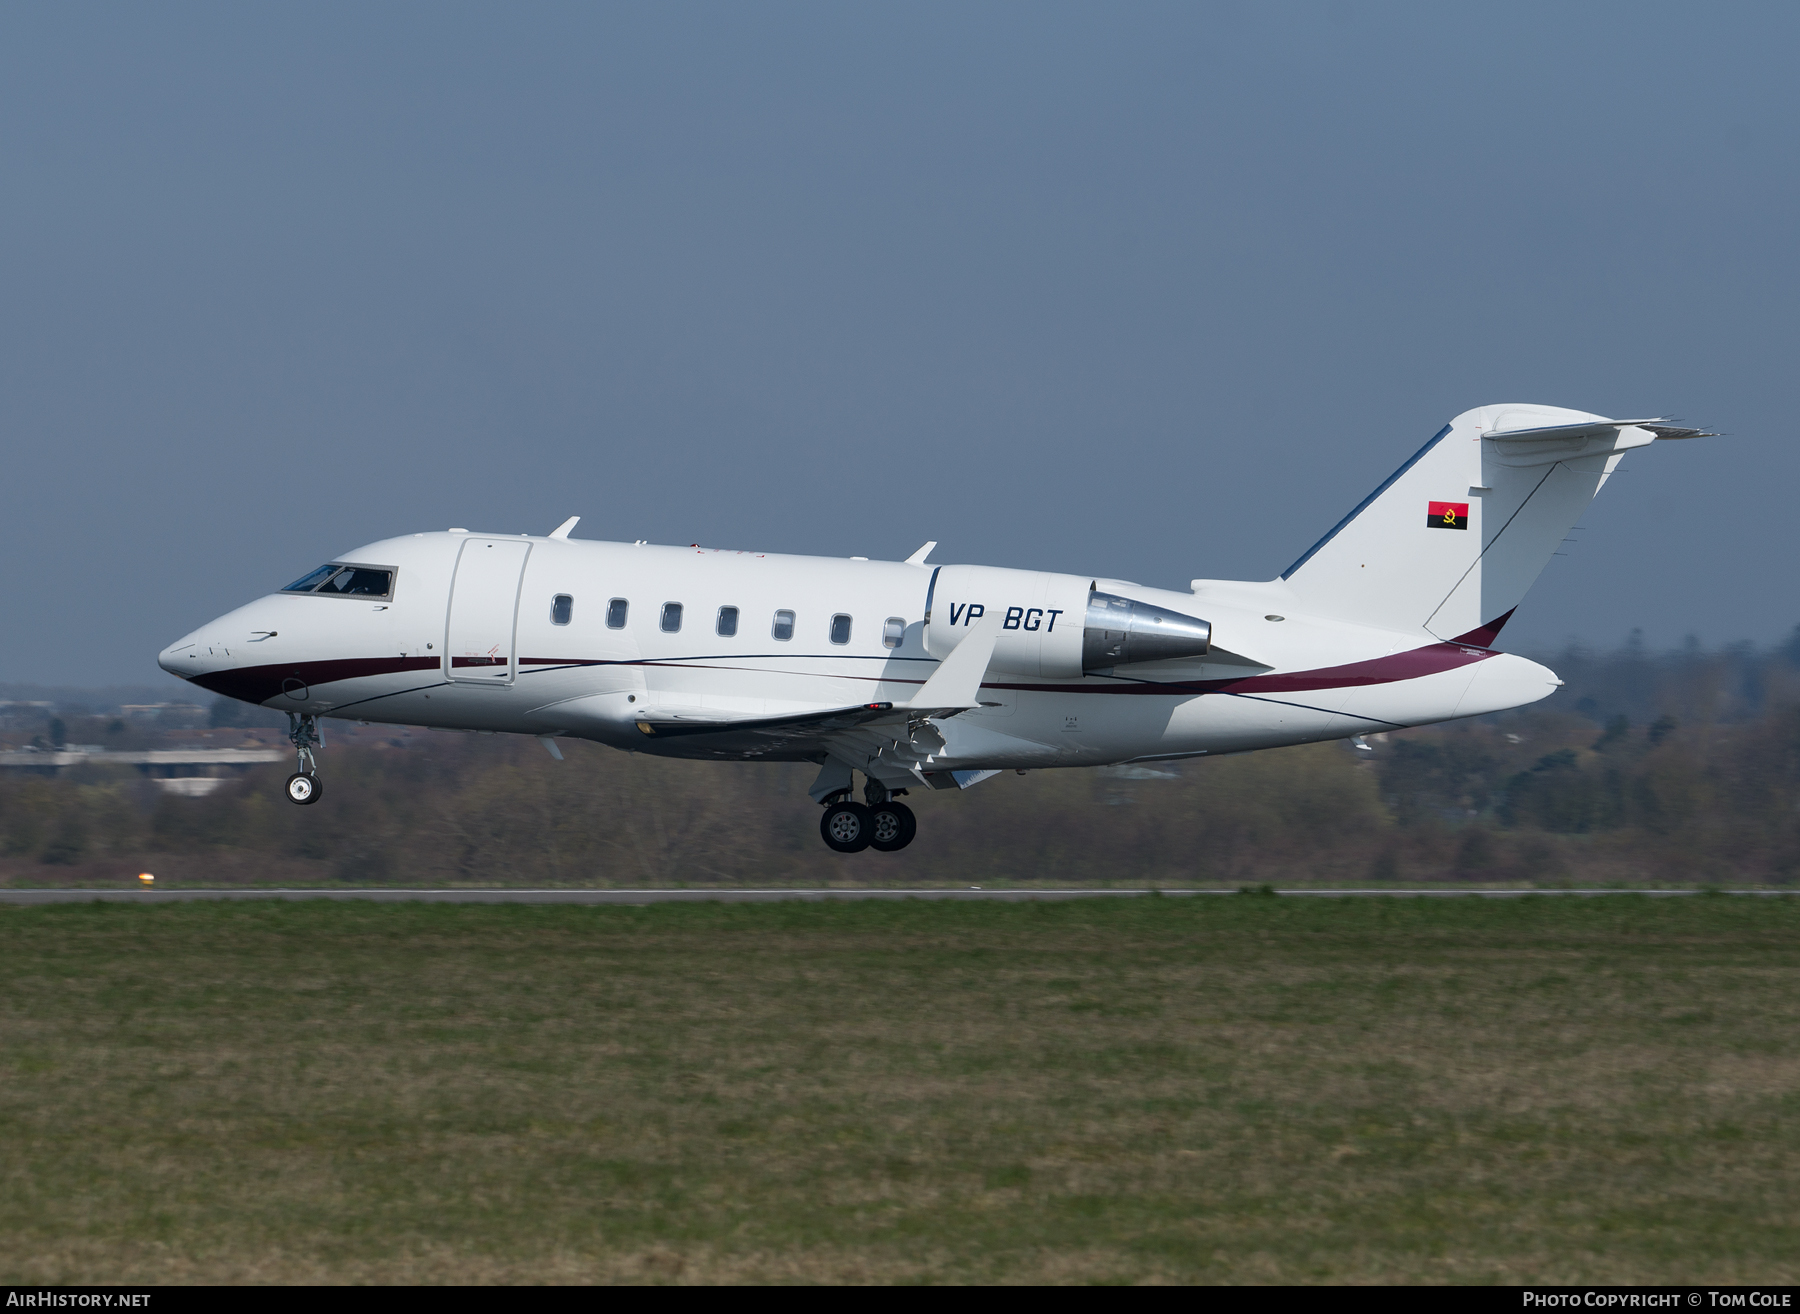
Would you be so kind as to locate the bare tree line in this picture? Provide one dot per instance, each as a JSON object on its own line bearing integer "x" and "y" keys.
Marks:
{"x": 1671, "y": 767}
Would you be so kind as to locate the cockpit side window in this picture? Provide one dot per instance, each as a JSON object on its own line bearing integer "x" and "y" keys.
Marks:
{"x": 346, "y": 582}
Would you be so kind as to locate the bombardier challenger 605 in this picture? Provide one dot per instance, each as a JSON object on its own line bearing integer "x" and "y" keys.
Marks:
{"x": 935, "y": 676}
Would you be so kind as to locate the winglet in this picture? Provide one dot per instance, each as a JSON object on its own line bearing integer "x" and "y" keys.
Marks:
{"x": 956, "y": 684}
{"x": 562, "y": 530}
{"x": 918, "y": 558}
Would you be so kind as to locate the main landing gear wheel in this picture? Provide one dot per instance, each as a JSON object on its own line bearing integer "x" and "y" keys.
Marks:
{"x": 847, "y": 827}
{"x": 892, "y": 827}
{"x": 304, "y": 788}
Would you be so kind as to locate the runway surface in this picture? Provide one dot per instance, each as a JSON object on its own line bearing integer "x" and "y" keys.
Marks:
{"x": 767, "y": 896}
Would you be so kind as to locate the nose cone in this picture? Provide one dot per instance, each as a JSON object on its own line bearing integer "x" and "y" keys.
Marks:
{"x": 183, "y": 657}
{"x": 196, "y": 656}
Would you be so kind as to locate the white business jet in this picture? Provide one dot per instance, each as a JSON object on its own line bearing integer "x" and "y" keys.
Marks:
{"x": 936, "y": 677}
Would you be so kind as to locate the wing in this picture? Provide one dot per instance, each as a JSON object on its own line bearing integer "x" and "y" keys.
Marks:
{"x": 702, "y": 733}
{"x": 954, "y": 687}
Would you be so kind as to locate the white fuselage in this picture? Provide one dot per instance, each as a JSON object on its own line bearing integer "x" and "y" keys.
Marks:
{"x": 468, "y": 638}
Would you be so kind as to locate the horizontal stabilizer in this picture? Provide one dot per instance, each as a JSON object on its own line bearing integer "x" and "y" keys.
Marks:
{"x": 1599, "y": 430}
{"x": 1526, "y": 445}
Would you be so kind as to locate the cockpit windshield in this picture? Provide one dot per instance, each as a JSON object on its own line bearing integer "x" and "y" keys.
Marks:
{"x": 307, "y": 583}
{"x": 346, "y": 581}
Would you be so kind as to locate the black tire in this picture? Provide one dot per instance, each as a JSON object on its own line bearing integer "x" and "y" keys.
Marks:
{"x": 891, "y": 827}
{"x": 845, "y": 827}
{"x": 303, "y": 788}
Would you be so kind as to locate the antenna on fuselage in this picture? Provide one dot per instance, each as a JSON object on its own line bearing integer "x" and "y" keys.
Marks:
{"x": 562, "y": 530}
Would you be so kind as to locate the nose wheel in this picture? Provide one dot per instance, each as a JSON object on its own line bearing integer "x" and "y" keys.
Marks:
{"x": 302, "y": 788}
{"x": 304, "y": 785}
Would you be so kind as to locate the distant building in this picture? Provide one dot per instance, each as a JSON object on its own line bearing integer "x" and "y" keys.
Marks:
{"x": 190, "y": 771}
{"x": 149, "y": 711}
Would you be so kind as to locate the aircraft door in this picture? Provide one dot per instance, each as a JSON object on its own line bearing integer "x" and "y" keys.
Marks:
{"x": 483, "y": 622}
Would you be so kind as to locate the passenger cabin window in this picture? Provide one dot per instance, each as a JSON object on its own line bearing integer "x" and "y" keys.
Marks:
{"x": 840, "y": 628}
{"x": 893, "y": 631}
{"x": 727, "y": 626}
{"x": 783, "y": 628}
{"x": 561, "y": 608}
{"x": 616, "y": 611}
{"x": 671, "y": 618}
{"x": 346, "y": 582}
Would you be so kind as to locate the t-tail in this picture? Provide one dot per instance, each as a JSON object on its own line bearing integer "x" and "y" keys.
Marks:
{"x": 1452, "y": 540}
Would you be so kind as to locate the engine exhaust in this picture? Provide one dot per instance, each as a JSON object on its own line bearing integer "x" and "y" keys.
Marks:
{"x": 1120, "y": 632}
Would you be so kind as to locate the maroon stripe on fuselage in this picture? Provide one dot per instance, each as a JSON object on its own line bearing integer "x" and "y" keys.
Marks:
{"x": 257, "y": 684}
{"x": 1391, "y": 669}
{"x": 1483, "y": 636}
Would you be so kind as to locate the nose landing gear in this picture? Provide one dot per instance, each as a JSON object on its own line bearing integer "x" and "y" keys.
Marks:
{"x": 304, "y": 786}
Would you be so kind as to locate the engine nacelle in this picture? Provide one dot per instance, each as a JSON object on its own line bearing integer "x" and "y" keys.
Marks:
{"x": 1054, "y": 626}
{"x": 1041, "y": 617}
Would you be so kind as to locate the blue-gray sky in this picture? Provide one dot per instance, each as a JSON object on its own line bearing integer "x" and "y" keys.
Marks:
{"x": 1147, "y": 291}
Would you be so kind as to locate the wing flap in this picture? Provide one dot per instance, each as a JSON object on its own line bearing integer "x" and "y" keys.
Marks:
{"x": 670, "y": 722}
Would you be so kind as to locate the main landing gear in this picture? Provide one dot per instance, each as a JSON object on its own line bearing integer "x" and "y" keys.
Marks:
{"x": 884, "y": 824}
{"x": 304, "y": 786}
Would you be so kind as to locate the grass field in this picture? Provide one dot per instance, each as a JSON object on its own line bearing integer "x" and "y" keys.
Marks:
{"x": 1223, "y": 1090}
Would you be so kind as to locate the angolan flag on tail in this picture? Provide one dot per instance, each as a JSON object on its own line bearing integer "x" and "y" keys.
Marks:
{"x": 1447, "y": 515}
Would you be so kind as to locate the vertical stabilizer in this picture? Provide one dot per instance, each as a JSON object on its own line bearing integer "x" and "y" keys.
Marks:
{"x": 1452, "y": 540}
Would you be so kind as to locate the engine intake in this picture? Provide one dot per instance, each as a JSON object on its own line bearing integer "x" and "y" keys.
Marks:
{"x": 1119, "y": 632}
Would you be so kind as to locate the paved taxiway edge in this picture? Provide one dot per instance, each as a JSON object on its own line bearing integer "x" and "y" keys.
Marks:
{"x": 771, "y": 896}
